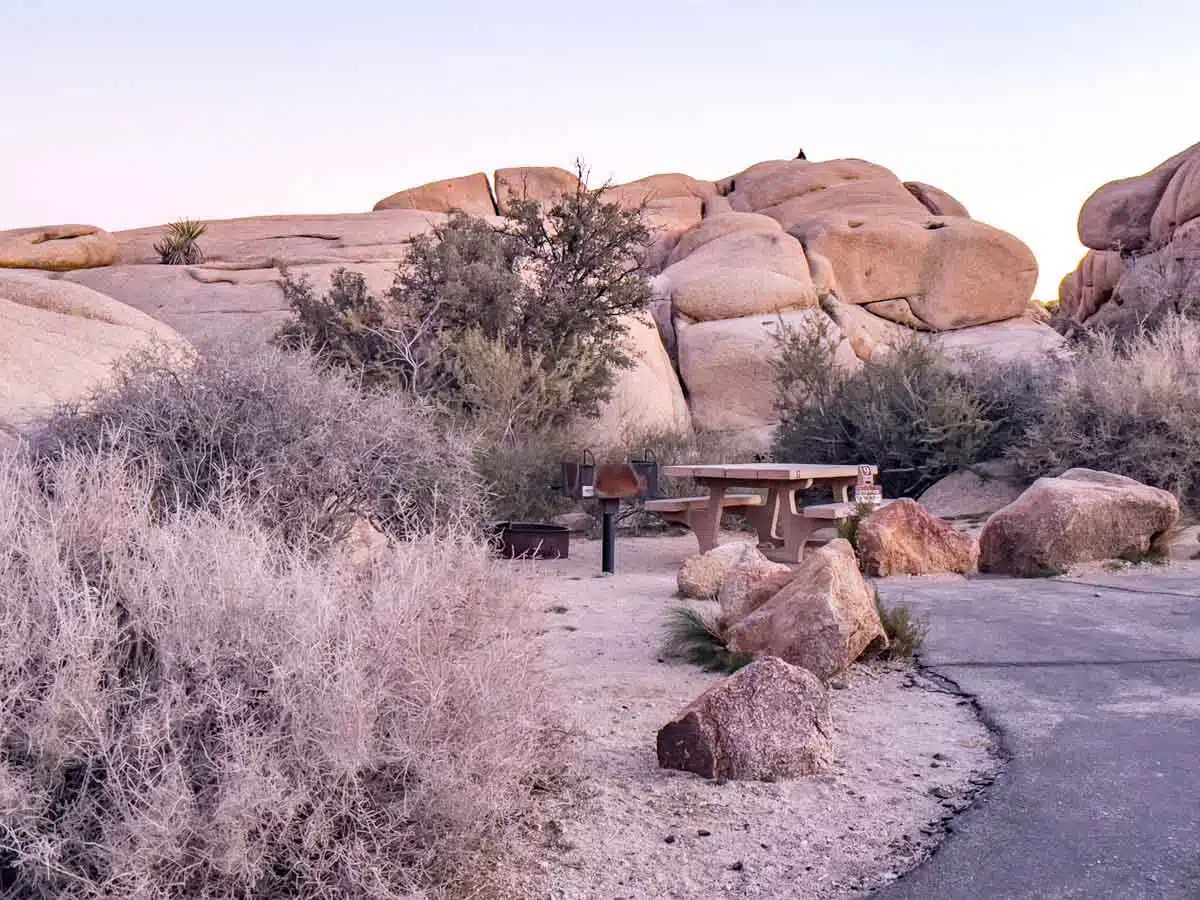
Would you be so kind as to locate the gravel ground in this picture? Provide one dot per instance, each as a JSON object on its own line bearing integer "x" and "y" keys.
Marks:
{"x": 911, "y": 754}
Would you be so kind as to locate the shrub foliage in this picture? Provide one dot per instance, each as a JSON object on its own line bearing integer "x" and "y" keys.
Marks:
{"x": 191, "y": 709}
{"x": 914, "y": 412}
{"x": 304, "y": 449}
{"x": 1130, "y": 406}
{"x": 551, "y": 288}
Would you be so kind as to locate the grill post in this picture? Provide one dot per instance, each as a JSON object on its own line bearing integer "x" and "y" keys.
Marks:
{"x": 608, "y": 534}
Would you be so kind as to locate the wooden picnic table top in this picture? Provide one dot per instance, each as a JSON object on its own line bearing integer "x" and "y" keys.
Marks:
{"x": 763, "y": 472}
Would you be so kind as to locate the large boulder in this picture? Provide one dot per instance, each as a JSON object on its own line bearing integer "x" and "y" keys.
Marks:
{"x": 470, "y": 193}
{"x": 728, "y": 371}
{"x": 769, "y": 184}
{"x": 204, "y": 303}
{"x": 545, "y": 184}
{"x": 750, "y": 581}
{"x": 1144, "y": 235}
{"x": 767, "y": 721}
{"x": 1081, "y": 515}
{"x": 57, "y": 248}
{"x": 737, "y": 264}
{"x": 59, "y": 341}
{"x": 646, "y": 399}
{"x": 974, "y": 493}
{"x": 702, "y": 574}
{"x": 1015, "y": 340}
{"x": 936, "y": 200}
{"x": 954, "y": 272}
{"x": 1121, "y": 215}
{"x": 902, "y": 538}
{"x": 822, "y": 620}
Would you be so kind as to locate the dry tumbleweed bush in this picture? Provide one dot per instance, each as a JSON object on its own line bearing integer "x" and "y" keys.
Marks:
{"x": 190, "y": 708}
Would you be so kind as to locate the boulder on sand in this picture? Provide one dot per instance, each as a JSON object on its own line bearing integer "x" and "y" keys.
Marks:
{"x": 768, "y": 720}
{"x": 822, "y": 620}
{"x": 743, "y": 589}
{"x": 903, "y": 538}
{"x": 1080, "y": 516}
{"x": 702, "y": 574}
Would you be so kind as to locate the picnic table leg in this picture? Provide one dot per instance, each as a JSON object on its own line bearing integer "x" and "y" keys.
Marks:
{"x": 706, "y": 522}
{"x": 765, "y": 519}
{"x": 796, "y": 529}
{"x": 841, "y": 491}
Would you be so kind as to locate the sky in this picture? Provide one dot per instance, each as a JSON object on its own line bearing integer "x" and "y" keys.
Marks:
{"x": 129, "y": 113}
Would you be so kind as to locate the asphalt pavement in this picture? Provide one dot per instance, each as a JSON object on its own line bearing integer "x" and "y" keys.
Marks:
{"x": 1093, "y": 690}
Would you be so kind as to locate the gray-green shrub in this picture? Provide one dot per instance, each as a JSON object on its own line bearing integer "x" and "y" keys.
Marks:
{"x": 551, "y": 286}
{"x": 1128, "y": 405}
{"x": 190, "y": 708}
{"x": 914, "y": 412}
{"x": 302, "y": 447}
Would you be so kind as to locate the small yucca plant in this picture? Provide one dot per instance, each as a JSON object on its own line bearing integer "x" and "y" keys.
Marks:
{"x": 179, "y": 246}
{"x": 693, "y": 638}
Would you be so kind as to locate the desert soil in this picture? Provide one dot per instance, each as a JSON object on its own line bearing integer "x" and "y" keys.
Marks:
{"x": 911, "y": 753}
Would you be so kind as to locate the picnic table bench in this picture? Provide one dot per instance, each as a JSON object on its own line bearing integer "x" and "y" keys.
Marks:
{"x": 783, "y": 524}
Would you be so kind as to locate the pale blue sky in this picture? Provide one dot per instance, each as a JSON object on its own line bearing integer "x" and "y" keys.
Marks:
{"x": 127, "y": 113}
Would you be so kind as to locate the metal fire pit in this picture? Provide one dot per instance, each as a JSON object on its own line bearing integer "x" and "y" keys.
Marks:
{"x": 532, "y": 540}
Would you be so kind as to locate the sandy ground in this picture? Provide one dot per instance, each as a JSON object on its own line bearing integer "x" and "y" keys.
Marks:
{"x": 911, "y": 753}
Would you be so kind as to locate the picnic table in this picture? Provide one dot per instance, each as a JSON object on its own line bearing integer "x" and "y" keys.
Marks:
{"x": 784, "y": 525}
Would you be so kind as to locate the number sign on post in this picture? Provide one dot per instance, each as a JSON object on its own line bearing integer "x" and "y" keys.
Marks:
{"x": 866, "y": 490}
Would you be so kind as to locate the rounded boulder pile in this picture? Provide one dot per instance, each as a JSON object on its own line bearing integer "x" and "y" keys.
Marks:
{"x": 1143, "y": 240}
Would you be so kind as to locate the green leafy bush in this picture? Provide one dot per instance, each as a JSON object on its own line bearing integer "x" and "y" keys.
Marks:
{"x": 914, "y": 412}
{"x": 550, "y": 287}
{"x": 304, "y": 448}
{"x": 180, "y": 245}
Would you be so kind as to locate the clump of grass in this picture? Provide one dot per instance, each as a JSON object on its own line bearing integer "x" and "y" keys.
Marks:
{"x": 905, "y": 633}
{"x": 1155, "y": 556}
{"x": 694, "y": 639}
{"x": 848, "y": 527}
{"x": 180, "y": 245}
{"x": 1046, "y": 572}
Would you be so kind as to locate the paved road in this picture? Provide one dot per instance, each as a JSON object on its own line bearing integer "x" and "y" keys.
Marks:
{"x": 1095, "y": 692}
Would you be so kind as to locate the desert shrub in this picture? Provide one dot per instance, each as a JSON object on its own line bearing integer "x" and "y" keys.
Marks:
{"x": 1127, "y": 406}
{"x": 192, "y": 709}
{"x": 1155, "y": 289}
{"x": 848, "y": 527}
{"x": 305, "y": 449}
{"x": 691, "y": 637}
{"x": 180, "y": 245}
{"x": 905, "y": 632}
{"x": 914, "y": 412}
{"x": 552, "y": 287}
